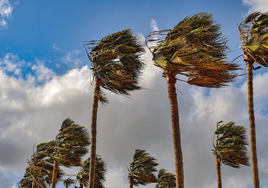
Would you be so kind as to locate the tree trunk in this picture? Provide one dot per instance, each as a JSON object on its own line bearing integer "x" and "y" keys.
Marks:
{"x": 218, "y": 168}
{"x": 253, "y": 146}
{"x": 171, "y": 80}
{"x": 54, "y": 175}
{"x": 81, "y": 185}
{"x": 131, "y": 181}
{"x": 94, "y": 133}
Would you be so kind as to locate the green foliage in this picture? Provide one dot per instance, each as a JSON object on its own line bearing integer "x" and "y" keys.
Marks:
{"x": 116, "y": 61}
{"x": 165, "y": 179}
{"x": 38, "y": 173}
{"x": 230, "y": 144}
{"x": 142, "y": 168}
{"x": 254, "y": 37}
{"x": 195, "y": 48}
{"x": 100, "y": 171}
{"x": 69, "y": 146}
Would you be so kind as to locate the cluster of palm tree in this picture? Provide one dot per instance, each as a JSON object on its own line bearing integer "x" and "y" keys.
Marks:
{"x": 194, "y": 48}
{"x": 141, "y": 172}
{"x": 67, "y": 150}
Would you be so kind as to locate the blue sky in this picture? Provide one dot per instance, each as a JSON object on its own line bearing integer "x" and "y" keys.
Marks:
{"x": 45, "y": 78}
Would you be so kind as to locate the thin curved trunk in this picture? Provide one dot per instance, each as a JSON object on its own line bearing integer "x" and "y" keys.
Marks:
{"x": 253, "y": 146}
{"x": 171, "y": 80}
{"x": 94, "y": 132}
{"x": 131, "y": 181}
{"x": 54, "y": 175}
{"x": 218, "y": 168}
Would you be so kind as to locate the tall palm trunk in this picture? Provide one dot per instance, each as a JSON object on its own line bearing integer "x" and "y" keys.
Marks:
{"x": 218, "y": 168}
{"x": 249, "y": 61}
{"x": 94, "y": 132}
{"x": 171, "y": 80}
{"x": 54, "y": 175}
{"x": 131, "y": 181}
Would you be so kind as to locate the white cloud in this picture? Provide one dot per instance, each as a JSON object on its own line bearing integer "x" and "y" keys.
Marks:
{"x": 154, "y": 26}
{"x": 3, "y": 23}
{"x": 256, "y": 5}
{"x": 71, "y": 59}
{"x": 42, "y": 72}
{"x": 5, "y": 11}
{"x": 11, "y": 63}
{"x": 5, "y": 8}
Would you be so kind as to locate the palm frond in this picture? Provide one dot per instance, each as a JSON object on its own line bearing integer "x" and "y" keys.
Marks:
{"x": 116, "y": 61}
{"x": 142, "y": 168}
{"x": 196, "y": 48}
{"x": 254, "y": 37}
{"x": 230, "y": 144}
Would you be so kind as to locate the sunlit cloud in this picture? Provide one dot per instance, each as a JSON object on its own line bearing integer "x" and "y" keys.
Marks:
{"x": 256, "y": 5}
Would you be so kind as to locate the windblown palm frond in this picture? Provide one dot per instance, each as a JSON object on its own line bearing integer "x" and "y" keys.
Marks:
{"x": 68, "y": 182}
{"x": 100, "y": 172}
{"x": 230, "y": 144}
{"x": 142, "y": 169}
{"x": 254, "y": 37}
{"x": 38, "y": 173}
{"x": 116, "y": 61}
{"x": 195, "y": 48}
{"x": 69, "y": 146}
{"x": 165, "y": 179}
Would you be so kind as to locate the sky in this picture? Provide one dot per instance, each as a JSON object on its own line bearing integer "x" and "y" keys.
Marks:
{"x": 45, "y": 78}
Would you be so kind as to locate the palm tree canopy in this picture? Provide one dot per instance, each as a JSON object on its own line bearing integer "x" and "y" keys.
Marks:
{"x": 69, "y": 146}
{"x": 100, "y": 172}
{"x": 142, "y": 168}
{"x": 39, "y": 173}
{"x": 165, "y": 179}
{"x": 254, "y": 37}
{"x": 230, "y": 144}
{"x": 194, "y": 48}
{"x": 116, "y": 61}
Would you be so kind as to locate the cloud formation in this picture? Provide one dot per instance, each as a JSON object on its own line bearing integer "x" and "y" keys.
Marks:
{"x": 256, "y": 5}
{"x": 5, "y": 11}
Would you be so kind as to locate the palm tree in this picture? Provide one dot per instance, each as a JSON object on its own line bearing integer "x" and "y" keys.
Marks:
{"x": 141, "y": 170}
{"x": 253, "y": 32}
{"x": 100, "y": 171}
{"x": 229, "y": 146}
{"x": 194, "y": 48}
{"x": 165, "y": 179}
{"x": 116, "y": 66}
{"x": 68, "y": 148}
{"x": 38, "y": 173}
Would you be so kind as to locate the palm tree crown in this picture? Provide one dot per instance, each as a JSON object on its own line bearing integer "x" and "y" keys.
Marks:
{"x": 165, "y": 179}
{"x": 38, "y": 173}
{"x": 68, "y": 148}
{"x": 141, "y": 170}
{"x": 254, "y": 37}
{"x": 116, "y": 61}
{"x": 194, "y": 48}
{"x": 100, "y": 172}
{"x": 230, "y": 144}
